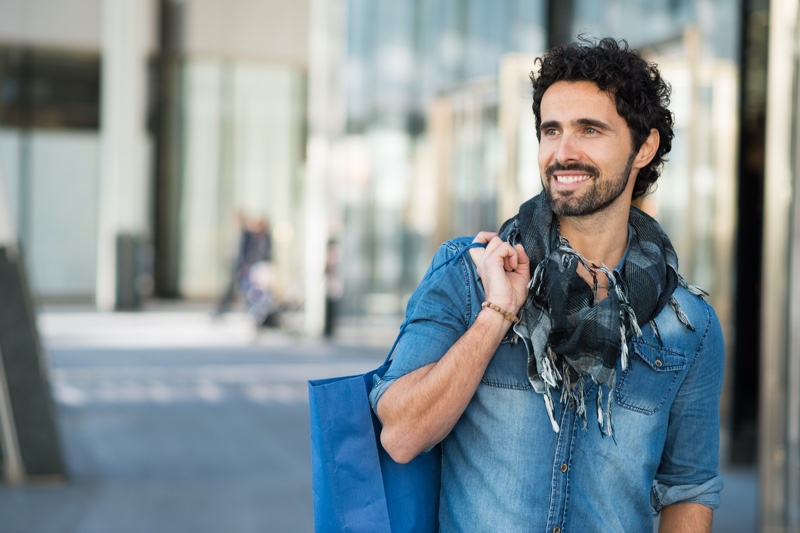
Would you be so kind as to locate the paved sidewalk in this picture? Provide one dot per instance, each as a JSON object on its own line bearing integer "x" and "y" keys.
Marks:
{"x": 171, "y": 422}
{"x": 174, "y": 423}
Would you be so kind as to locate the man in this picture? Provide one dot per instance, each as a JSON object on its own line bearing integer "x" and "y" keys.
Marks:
{"x": 600, "y": 407}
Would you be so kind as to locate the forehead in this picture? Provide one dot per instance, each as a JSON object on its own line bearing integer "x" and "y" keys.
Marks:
{"x": 564, "y": 101}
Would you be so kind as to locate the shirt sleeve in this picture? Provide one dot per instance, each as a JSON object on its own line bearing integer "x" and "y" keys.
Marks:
{"x": 437, "y": 315}
{"x": 689, "y": 464}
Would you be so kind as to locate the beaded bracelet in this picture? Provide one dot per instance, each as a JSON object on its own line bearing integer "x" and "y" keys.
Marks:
{"x": 506, "y": 314}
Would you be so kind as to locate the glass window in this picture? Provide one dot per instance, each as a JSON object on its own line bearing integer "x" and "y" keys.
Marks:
{"x": 49, "y": 89}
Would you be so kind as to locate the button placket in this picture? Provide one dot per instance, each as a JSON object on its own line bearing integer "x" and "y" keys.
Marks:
{"x": 559, "y": 482}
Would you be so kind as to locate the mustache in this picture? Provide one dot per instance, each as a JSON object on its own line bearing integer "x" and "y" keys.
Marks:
{"x": 580, "y": 167}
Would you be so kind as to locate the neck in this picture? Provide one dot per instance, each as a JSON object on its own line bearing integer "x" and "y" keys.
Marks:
{"x": 600, "y": 238}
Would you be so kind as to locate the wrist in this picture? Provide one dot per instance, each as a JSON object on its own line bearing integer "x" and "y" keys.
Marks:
{"x": 506, "y": 314}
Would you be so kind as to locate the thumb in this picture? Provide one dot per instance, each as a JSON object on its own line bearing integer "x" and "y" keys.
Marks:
{"x": 523, "y": 263}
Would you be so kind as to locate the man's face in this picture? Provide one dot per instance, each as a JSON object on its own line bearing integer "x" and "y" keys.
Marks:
{"x": 585, "y": 153}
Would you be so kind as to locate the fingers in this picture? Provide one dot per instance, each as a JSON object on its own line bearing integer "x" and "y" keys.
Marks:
{"x": 512, "y": 258}
{"x": 501, "y": 253}
{"x": 523, "y": 262}
{"x": 484, "y": 237}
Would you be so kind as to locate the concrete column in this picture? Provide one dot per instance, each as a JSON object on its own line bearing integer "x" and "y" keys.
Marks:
{"x": 779, "y": 430}
{"x": 325, "y": 120}
{"x": 127, "y": 34}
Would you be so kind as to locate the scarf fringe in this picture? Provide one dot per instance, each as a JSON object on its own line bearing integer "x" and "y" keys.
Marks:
{"x": 623, "y": 348}
{"x": 654, "y": 325}
{"x": 610, "y": 421}
{"x": 604, "y": 419}
{"x": 567, "y": 384}
{"x": 599, "y": 401}
{"x": 548, "y": 403}
{"x": 680, "y": 314}
{"x": 628, "y": 323}
{"x": 580, "y": 404}
{"x": 537, "y": 285}
{"x": 550, "y": 373}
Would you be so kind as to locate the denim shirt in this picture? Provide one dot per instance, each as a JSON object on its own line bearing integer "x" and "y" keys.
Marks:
{"x": 503, "y": 466}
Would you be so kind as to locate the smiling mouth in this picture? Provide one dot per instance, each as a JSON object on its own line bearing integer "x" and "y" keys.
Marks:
{"x": 572, "y": 173}
{"x": 568, "y": 180}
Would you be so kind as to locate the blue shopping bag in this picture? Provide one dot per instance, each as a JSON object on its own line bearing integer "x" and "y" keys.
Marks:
{"x": 357, "y": 486}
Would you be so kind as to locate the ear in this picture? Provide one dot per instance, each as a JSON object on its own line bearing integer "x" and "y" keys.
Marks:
{"x": 648, "y": 149}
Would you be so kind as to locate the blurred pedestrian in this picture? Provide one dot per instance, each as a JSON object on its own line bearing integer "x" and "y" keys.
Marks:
{"x": 334, "y": 287}
{"x": 258, "y": 288}
{"x": 590, "y": 286}
{"x": 251, "y": 271}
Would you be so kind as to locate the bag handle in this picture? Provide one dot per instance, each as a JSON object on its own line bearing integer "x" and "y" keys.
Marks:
{"x": 428, "y": 275}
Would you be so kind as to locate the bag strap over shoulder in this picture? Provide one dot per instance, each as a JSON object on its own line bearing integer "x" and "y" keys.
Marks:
{"x": 428, "y": 275}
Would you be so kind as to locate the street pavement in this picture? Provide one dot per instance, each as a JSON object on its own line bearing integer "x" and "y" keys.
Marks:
{"x": 173, "y": 422}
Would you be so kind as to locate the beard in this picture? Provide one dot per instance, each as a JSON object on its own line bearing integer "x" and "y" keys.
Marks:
{"x": 600, "y": 194}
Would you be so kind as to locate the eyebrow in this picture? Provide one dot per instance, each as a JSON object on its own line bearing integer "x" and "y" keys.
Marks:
{"x": 581, "y": 122}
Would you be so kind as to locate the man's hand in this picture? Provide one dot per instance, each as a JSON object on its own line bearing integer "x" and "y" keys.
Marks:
{"x": 504, "y": 271}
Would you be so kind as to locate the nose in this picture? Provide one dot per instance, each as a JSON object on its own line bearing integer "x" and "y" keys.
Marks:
{"x": 567, "y": 148}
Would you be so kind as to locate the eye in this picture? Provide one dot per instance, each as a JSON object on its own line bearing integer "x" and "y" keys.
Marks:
{"x": 589, "y": 130}
{"x": 550, "y": 132}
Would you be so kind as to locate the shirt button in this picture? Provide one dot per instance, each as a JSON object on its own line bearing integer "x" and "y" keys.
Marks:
{"x": 556, "y": 529}
{"x": 571, "y": 405}
{"x": 564, "y": 467}
{"x": 659, "y": 363}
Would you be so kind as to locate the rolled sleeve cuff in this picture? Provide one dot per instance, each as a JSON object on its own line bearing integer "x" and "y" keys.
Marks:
{"x": 705, "y": 493}
{"x": 378, "y": 388}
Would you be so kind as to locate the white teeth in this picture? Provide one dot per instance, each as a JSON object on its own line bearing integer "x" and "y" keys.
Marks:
{"x": 572, "y": 179}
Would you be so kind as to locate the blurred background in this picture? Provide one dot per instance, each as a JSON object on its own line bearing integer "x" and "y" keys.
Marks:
{"x": 141, "y": 141}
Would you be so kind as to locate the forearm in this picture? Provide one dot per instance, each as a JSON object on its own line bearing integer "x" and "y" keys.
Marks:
{"x": 421, "y": 408}
{"x": 685, "y": 518}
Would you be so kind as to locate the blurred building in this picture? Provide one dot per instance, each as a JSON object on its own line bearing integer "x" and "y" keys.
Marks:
{"x": 130, "y": 132}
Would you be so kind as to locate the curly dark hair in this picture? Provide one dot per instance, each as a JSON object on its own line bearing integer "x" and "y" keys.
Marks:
{"x": 639, "y": 92}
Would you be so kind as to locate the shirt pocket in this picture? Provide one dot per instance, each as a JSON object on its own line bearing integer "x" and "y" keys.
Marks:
{"x": 651, "y": 377}
{"x": 508, "y": 368}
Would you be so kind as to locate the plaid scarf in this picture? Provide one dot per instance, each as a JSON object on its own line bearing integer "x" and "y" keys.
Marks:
{"x": 570, "y": 335}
